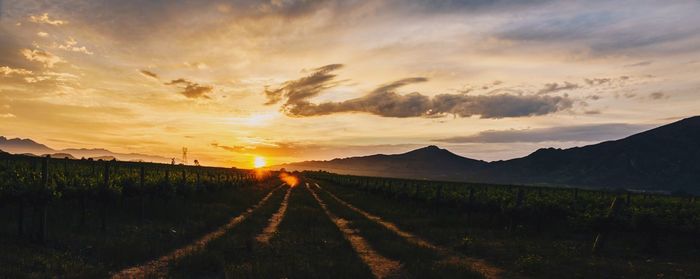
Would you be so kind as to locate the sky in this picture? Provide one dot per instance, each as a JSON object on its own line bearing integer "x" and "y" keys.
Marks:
{"x": 291, "y": 80}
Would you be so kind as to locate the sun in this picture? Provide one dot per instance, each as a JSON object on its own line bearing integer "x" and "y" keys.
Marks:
{"x": 259, "y": 162}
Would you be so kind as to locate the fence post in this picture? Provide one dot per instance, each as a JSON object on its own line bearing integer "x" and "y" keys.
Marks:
{"x": 439, "y": 194}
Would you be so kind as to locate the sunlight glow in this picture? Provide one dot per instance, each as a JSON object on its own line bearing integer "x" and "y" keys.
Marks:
{"x": 260, "y": 119}
{"x": 289, "y": 179}
{"x": 259, "y": 162}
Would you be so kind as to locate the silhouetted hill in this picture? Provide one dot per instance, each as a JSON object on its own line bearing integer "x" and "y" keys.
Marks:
{"x": 425, "y": 163}
{"x": 18, "y": 146}
{"x": 99, "y": 153}
{"x": 666, "y": 158}
{"x": 32, "y": 148}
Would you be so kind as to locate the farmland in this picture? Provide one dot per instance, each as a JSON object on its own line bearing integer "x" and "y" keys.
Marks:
{"x": 87, "y": 219}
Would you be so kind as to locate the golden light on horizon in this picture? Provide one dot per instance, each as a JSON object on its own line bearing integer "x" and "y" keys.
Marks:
{"x": 259, "y": 162}
{"x": 288, "y": 179}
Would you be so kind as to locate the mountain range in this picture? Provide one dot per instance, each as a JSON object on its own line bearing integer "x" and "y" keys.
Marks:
{"x": 666, "y": 158}
{"x": 30, "y": 147}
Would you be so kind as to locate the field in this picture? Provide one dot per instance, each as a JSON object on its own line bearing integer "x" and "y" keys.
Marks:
{"x": 89, "y": 219}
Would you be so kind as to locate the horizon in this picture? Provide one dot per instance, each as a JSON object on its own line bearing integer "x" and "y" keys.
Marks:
{"x": 237, "y": 82}
{"x": 256, "y": 163}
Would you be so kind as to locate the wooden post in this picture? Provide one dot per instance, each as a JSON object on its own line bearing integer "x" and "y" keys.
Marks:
{"x": 520, "y": 196}
{"x": 471, "y": 196}
{"x": 439, "y": 194}
{"x": 607, "y": 226}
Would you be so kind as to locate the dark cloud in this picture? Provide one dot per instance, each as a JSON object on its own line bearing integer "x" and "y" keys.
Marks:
{"x": 150, "y": 74}
{"x": 229, "y": 148}
{"x": 640, "y": 64}
{"x": 304, "y": 88}
{"x": 385, "y": 101}
{"x": 10, "y": 50}
{"x": 191, "y": 89}
{"x": 658, "y": 95}
{"x": 556, "y": 87}
{"x": 598, "y": 81}
{"x": 127, "y": 18}
{"x": 472, "y": 5}
{"x": 586, "y": 133}
{"x": 607, "y": 81}
{"x": 606, "y": 31}
{"x": 491, "y": 85}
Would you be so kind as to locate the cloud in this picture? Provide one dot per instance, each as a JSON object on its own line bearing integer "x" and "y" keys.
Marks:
{"x": 72, "y": 45}
{"x": 42, "y": 34}
{"x": 229, "y": 148}
{"x": 474, "y": 5}
{"x": 555, "y": 87}
{"x": 606, "y": 81}
{"x": 384, "y": 101}
{"x": 44, "y": 18}
{"x": 597, "y": 81}
{"x": 191, "y": 89}
{"x": 640, "y": 64}
{"x": 196, "y": 65}
{"x": 7, "y": 115}
{"x": 52, "y": 76}
{"x": 581, "y": 133}
{"x": 42, "y": 56}
{"x": 658, "y": 95}
{"x": 304, "y": 88}
{"x": 606, "y": 28}
{"x": 7, "y": 71}
{"x": 270, "y": 148}
{"x": 149, "y": 74}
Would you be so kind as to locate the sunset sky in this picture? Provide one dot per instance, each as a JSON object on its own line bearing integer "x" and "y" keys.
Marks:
{"x": 293, "y": 80}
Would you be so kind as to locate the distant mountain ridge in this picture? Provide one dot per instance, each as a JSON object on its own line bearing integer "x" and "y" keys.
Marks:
{"x": 28, "y": 146}
{"x": 666, "y": 158}
{"x": 429, "y": 163}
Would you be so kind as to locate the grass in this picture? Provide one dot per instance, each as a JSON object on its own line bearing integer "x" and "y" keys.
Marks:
{"x": 524, "y": 253}
{"x": 75, "y": 251}
{"x": 418, "y": 262}
{"x": 306, "y": 245}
